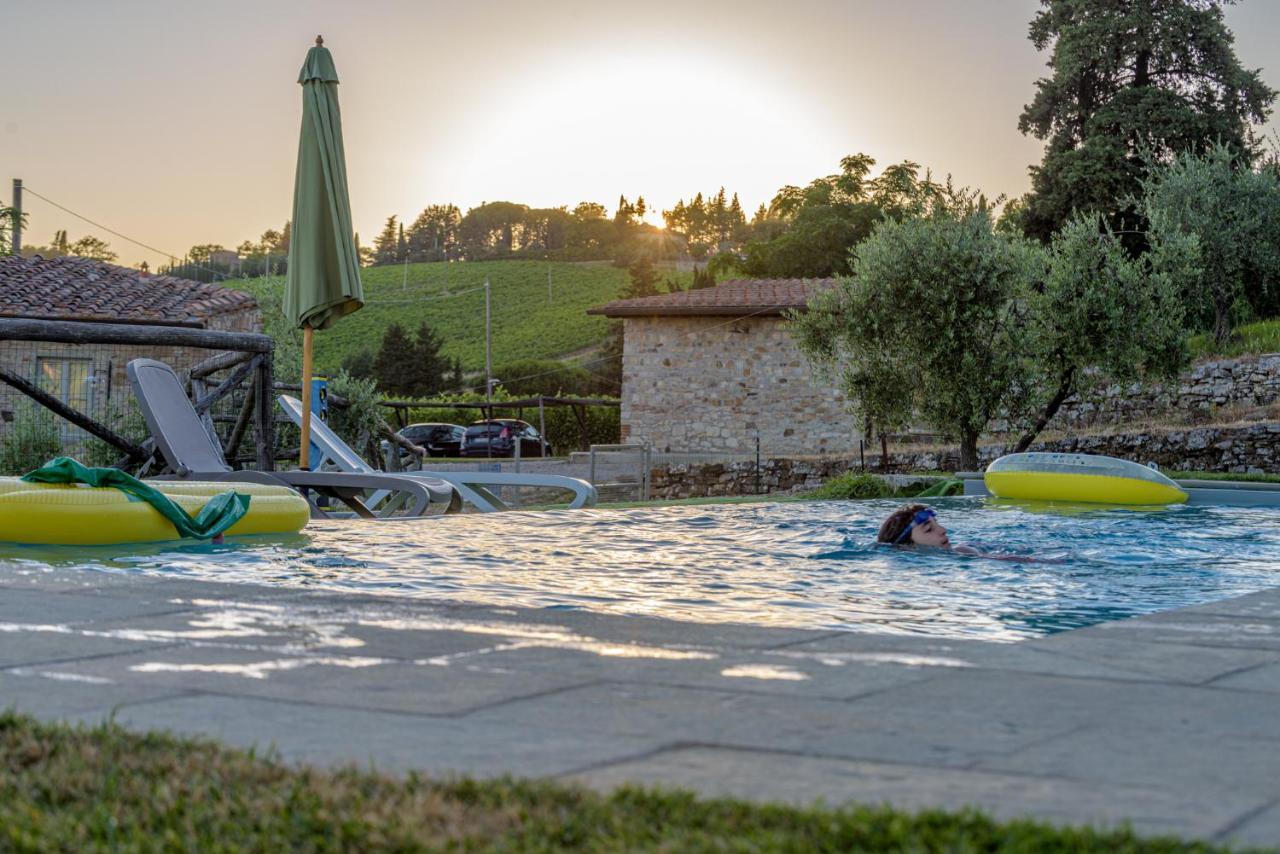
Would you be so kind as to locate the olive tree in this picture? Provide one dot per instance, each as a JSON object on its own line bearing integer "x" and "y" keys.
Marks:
{"x": 931, "y": 324}
{"x": 1234, "y": 214}
{"x": 1098, "y": 313}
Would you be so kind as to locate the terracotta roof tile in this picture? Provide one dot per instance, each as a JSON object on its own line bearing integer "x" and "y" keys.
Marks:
{"x": 759, "y": 297}
{"x": 81, "y": 289}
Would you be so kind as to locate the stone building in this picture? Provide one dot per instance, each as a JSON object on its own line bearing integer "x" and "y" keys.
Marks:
{"x": 91, "y": 377}
{"x": 707, "y": 371}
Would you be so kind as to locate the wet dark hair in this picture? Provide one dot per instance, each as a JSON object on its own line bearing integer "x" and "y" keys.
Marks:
{"x": 893, "y": 526}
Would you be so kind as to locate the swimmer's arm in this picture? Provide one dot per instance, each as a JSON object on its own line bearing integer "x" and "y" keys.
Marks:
{"x": 970, "y": 550}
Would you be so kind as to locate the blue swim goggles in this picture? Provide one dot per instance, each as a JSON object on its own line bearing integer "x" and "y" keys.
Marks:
{"x": 921, "y": 517}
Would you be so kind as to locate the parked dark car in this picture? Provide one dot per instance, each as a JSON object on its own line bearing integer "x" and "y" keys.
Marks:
{"x": 440, "y": 440}
{"x": 497, "y": 438}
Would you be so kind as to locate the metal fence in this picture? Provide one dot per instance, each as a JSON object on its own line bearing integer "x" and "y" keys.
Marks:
{"x": 64, "y": 388}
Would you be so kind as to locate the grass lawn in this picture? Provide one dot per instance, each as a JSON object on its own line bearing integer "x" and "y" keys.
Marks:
{"x": 1220, "y": 475}
{"x": 525, "y": 325}
{"x": 1260, "y": 337}
{"x": 104, "y": 789}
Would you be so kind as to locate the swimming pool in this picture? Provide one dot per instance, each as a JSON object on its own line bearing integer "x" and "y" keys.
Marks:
{"x": 804, "y": 564}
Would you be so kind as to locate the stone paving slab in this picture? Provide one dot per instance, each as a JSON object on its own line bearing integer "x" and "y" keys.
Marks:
{"x": 1030, "y": 657}
{"x": 37, "y": 643}
{"x": 797, "y": 724}
{"x": 1163, "y": 662}
{"x": 1262, "y": 678}
{"x": 40, "y": 691}
{"x": 982, "y": 701}
{"x": 30, "y": 606}
{"x": 1262, "y": 829}
{"x": 1137, "y": 755}
{"x": 1212, "y": 630}
{"x": 1168, "y": 720}
{"x": 1264, "y": 604}
{"x": 727, "y": 669}
{"x": 387, "y": 741}
{"x": 342, "y": 680}
{"x": 803, "y": 779}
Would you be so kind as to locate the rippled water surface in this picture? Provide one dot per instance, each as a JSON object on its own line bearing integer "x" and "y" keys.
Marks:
{"x": 809, "y": 564}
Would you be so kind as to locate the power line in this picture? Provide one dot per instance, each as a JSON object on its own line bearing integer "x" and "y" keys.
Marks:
{"x": 172, "y": 257}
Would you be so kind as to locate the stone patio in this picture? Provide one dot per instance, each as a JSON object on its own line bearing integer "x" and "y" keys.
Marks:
{"x": 1170, "y": 722}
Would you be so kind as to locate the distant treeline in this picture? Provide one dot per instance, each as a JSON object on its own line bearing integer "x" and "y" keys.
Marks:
{"x": 801, "y": 232}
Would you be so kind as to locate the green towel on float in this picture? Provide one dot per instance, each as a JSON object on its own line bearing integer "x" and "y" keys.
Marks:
{"x": 943, "y": 488}
{"x": 218, "y": 514}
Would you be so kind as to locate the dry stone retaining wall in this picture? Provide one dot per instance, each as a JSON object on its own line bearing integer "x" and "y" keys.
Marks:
{"x": 1251, "y": 448}
{"x": 1250, "y": 381}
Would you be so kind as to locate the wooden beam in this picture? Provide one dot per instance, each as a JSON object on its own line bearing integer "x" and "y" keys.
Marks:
{"x": 79, "y": 419}
{"x": 264, "y": 423}
{"x": 238, "y": 376}
{"x": 77, "y": 332}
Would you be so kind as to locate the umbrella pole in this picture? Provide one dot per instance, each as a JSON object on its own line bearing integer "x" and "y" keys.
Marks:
{"x": 304, "y": 449}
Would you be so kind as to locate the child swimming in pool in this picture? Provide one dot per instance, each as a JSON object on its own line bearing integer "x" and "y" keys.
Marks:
{"x": 917, "y": 525}
{"x": 913, "y": 525}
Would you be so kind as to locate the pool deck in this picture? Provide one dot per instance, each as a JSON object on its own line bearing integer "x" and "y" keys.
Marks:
{"x": 1170, "y": 722}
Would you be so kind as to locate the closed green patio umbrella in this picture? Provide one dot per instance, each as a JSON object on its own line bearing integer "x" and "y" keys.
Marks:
{"x": 324, "y": 273}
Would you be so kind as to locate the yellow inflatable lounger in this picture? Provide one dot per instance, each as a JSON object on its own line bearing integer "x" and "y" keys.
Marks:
{"x": 67, "y": 514}
{"x": 1085, "y": 478}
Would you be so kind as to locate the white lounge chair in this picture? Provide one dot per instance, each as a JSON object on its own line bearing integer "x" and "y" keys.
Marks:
{"x": 472, "y": 486}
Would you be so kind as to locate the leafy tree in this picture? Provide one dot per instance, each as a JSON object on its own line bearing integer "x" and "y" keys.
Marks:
{"x": 92, "y": 247}
{"x": 492, "y": 229}
{"x": 814, "y": 227}
{"x": 386, "y": 243}
{"x": 644, "y": 279}
{"x": 703, "y": 277}
{"x": 8, "y": 219}
{"x": 393, "y": 365}
{"x": 360, "y": 365}
{"x": 427, "y": 371}
{"x": 433, "y": 236}
{"x": 1234, "y": 214}
{"x": 1129, "y": 76}
{"x": 1099, "y": 313}
{"x": 929, "y": 324}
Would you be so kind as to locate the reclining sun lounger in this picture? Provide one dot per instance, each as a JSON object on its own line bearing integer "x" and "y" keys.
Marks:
{"x": 473, "y": 486}
{"x": 194, "y": 455}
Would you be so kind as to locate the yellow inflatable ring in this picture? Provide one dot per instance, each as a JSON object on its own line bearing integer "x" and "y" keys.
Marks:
{"x": 65, "y": 514}
{"x": 1085, "y": 478}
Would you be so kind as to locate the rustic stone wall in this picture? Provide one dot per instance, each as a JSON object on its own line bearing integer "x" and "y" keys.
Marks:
{"x": 710, "y": 384}
{"x": 109, "y": 392}
{"x": 1248, "y": 448}
{"x": 1243, "y": 383}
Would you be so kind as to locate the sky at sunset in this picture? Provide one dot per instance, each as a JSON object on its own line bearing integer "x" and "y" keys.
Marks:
{"x": 176, "y": 122}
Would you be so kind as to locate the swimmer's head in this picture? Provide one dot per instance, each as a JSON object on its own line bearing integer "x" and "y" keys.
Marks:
{"x": 913, "y": 525}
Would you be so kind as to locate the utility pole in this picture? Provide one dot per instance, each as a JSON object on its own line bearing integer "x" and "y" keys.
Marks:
{"x": 17, "y": 216}
{"x": 404, "y": 283}
{"x": 488, "y": 357}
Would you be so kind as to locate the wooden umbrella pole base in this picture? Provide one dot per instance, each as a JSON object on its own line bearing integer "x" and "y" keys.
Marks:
{"x": 304, "y": 450}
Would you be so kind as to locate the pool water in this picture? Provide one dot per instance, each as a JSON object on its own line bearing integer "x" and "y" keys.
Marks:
{"x": 804, "y": 564}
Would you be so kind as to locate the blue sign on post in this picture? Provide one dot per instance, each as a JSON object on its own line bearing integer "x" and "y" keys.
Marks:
{"x": 319, "y": 409}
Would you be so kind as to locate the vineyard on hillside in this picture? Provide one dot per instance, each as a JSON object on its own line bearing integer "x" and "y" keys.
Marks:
{"x": 450, "y": 298}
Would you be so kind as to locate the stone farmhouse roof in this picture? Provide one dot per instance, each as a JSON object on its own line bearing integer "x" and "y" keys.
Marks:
{"x": 732, "y": 298}
{"x": 82, "y": 289}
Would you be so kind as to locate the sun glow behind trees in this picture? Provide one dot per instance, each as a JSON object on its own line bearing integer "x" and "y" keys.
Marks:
{"x": 598, "y": 124}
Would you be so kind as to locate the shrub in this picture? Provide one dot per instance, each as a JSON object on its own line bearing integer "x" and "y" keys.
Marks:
{"x": 854, "y": 485}
{"x": 125, "y": 419}
{"x": 30, "y": 440}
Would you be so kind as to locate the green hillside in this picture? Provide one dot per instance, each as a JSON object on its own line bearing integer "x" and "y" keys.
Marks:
{"x": 450, "y": 298}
